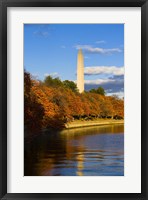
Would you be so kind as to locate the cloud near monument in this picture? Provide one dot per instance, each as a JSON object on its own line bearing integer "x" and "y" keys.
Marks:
{"x": 95, "y": 70}
{"x": 91, "y": 49}
{"x": 99, "y": 81}
{"x": 112, "y": 85}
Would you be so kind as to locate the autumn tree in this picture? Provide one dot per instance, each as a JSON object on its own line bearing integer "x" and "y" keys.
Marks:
{"x": 118, "y": 106}
{"x": 52, "y": 103}
{"x": 33, "y": 110}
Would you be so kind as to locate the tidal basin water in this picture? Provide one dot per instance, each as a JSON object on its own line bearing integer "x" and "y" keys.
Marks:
{"x": 93, "y": 151}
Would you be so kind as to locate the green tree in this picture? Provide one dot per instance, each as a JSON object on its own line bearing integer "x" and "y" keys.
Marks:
{"x": 99, "y": 90}
{"x": 54, "y": 82}
{"x": 71, "y": 85}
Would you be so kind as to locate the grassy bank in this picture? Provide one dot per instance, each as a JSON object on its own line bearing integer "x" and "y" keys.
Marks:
{"x": 98, "y": 122}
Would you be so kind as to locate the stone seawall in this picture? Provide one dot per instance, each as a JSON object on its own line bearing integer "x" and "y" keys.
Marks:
{"x": 77, "y": 124}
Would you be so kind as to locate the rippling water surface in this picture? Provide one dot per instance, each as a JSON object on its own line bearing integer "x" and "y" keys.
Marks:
{"x": 93, "y": 151}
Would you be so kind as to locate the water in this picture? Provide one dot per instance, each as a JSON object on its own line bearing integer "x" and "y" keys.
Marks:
{"x": 93, "y": 151}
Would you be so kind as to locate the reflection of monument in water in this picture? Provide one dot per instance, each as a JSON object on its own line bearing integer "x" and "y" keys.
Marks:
{"x": 80, "y": 71}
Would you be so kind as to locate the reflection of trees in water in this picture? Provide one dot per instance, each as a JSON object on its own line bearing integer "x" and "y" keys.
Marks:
{"x": 42, "y": 154}
{"x": 48, "y": 151}
{"x": 48, "y": 154}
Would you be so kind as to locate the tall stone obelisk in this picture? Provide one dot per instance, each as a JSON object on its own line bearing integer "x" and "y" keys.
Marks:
{"x": 80, "y": 71}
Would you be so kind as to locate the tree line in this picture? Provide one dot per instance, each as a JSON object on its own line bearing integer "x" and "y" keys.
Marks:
{"x": 52, "y": 102}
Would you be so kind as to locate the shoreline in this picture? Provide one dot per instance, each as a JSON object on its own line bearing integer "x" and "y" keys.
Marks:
{"x": 81, "y": 124}
{"x": 78, "y": 124}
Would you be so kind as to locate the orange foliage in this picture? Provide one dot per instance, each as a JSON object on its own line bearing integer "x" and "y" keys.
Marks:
{"x": 50, "y": 107}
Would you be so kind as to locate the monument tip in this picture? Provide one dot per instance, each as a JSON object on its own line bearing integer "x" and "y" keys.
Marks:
{"x": 80, "y": 51}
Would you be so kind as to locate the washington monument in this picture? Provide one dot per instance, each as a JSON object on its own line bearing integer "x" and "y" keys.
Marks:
{"x": 80, "y": 71}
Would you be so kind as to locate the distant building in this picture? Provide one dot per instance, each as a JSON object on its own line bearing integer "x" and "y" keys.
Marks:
{"x": 80, "y": 71}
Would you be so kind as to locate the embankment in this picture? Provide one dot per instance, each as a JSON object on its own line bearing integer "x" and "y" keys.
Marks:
{"x": 78, "y": 123}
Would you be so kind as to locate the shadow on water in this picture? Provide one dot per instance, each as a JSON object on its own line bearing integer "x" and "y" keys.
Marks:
{"x": 93, "y": 151}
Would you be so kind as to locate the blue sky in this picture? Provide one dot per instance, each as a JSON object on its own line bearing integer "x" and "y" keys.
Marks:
{"x": 51, "y": 49}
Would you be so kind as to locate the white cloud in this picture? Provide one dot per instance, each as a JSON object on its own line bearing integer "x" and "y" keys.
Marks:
{"x": 119, "y": 94}
{"x": 104, "y": 70}
{"x": 99, "y": 81}
{"x": 100, "y": 42}
{"x": 41, "y": 33}
{"x": 98, "y": 50}
{"x": 43, "y": 30}
{"x": 35, "y": 75}
{"x": 46, "y": 74}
